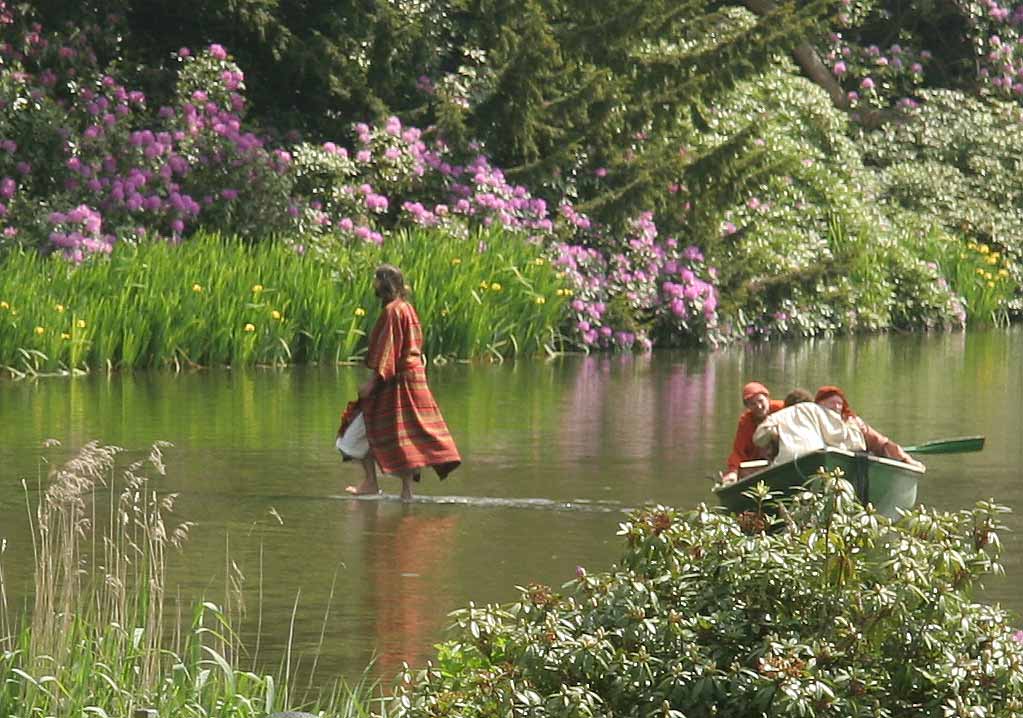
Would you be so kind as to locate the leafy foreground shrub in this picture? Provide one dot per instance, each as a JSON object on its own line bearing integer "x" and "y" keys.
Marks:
{"x": 839, "y": 612}
{"x": 99, "y": 640}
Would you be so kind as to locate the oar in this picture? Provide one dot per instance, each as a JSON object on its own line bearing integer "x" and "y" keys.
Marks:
{"x": 961, "y": 445}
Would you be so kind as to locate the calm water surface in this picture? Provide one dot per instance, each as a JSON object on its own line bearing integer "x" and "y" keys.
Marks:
{"x": 554, "y": 452}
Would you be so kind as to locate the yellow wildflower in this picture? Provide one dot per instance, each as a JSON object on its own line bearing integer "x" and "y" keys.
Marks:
{"x": 983, "y": 249}
{"x": 59, "y": 308}
{"x": 250, "y": 327}
{"x": 443, "y": 312}
{"x": 1003, "y": 272}
{"x": 484, "y": 284}
{"x": 4, "y": 305}
{"x": 257, "y": 288}
{"x": 65, "y": 335}
{"x": 991, "y": 284}
{"x": 456, "y": 261}
{"x": 980, "y": 271}
{"x": 495, "y": 287}
{"x": 275, "y": 314}
{"x": 541, "y": 300}
{"x": 80, "y": 324}
{"x": 539, "y": 261}
{"x": 196, "y": 287}
{"x": 988, "y": 275}
{"x": 40, "y": 331}
{"x": 992, "y": 259}
{"x": 360, "y": 312}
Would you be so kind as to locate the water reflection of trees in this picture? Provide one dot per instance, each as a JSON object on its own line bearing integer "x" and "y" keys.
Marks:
{"x": 633, "y": 408}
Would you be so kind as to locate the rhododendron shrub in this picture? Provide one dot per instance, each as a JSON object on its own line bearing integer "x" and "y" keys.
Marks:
{"x": 74, "y": 136}
{"x": 824, "y": 609}
{"x": 651, "y": 290}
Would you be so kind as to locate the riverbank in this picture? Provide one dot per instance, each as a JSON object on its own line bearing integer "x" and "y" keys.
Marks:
{"x": 214, "y": 301}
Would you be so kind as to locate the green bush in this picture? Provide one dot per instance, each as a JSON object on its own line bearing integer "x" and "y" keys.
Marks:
{"x": 837, "y": 611}
{"x": 797, "y": 225}
{"x": 956, "y": 165}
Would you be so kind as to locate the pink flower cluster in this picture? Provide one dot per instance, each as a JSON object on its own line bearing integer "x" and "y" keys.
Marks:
{"x": 875, "y": 73}
{"x": 1002, "y": 65}
{"x": 650, "y": 277}
{"x": 78, "y": 233}
{"x": 166, "y": 173}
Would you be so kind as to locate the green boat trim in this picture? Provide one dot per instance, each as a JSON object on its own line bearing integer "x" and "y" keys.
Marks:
{"x": 886, "y": 483}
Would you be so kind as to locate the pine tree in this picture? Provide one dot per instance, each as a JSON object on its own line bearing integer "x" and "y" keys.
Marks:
{"x": 580, "y": 87}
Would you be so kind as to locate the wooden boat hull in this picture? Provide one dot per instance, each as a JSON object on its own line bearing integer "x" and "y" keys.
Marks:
{"x": 887, "y": 484}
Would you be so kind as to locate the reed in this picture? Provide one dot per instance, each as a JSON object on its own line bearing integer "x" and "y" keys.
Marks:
{"x": 985, "y": 278}
{"x": 216, "y": 301}
{"x": 97, "y": 642}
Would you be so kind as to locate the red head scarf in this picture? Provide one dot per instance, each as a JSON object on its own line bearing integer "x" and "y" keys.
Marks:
{"x": 752, "y": 389}
{"x": 825, "y": 391}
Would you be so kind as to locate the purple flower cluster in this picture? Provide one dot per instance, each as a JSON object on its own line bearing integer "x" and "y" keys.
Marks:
{"x": 650, "y": 277}
{"x": 79, "y": 232}
{"x": 394, "y": 167}
{"x": 875, "y": 74}
{"x": 1000, "y": 65}
{"x": 166, "y": 173}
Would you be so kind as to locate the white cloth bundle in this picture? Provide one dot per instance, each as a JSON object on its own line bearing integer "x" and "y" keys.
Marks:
{"x": 807, "y": 427}
{"x": 354, "y": 444}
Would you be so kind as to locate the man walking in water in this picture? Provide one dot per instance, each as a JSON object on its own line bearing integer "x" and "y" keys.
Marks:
{"x": 403, "y": 425}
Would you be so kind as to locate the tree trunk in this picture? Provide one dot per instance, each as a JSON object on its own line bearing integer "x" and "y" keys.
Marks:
{"x": 807, "y": 59}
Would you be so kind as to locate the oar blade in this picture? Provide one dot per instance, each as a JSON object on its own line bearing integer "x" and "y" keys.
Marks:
{"x": 960, "y": 445}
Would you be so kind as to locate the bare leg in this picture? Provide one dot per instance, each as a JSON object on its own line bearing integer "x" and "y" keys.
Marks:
{"x": 369, "y": 482}
{"x": 406, "y": 487}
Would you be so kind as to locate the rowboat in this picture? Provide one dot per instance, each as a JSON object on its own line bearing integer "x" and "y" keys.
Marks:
{"x": 887, "y": 484}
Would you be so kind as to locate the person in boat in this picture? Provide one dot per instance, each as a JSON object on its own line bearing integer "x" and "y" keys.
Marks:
{"x": 834, "y": 399}
{"x": 759, "y": 405}
{"x": 797, "y": 395}
{"x": 404, "y": 429}
{"x": 804, "y": 426}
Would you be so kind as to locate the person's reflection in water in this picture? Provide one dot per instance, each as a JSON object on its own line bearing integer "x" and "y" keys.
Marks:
{"x": 408, "y": 562}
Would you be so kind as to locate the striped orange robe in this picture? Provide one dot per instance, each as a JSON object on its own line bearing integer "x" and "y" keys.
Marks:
{"x": 403, "y": 423}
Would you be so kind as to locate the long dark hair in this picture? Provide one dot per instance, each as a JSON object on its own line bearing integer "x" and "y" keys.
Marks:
{"x": 392, "y": 283}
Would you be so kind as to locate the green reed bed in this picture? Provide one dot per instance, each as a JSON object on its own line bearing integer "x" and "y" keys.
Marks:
{"x": 214, "y": 301}
{"x": 97, "y": 641}
{"x": 984, "y": 277}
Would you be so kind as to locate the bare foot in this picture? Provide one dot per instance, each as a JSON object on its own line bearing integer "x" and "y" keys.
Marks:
{"x": 363, "y": 489}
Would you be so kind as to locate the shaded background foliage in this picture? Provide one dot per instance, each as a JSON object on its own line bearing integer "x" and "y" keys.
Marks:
{"x": 834, "y": 161}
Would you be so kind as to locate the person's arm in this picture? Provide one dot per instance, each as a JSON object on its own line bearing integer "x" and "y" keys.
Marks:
{"x": 743, "y": 437}
{"x": 385, "y": 350}
{"x": 767, "y": 433}
{"x": 881, "y": 445}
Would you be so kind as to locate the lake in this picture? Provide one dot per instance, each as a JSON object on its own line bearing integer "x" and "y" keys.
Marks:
{"x": 554, "y": 452}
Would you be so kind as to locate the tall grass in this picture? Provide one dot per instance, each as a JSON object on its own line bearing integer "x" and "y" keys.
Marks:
{"x": 97, "y": 642}
{"x": 215, "y": 301}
